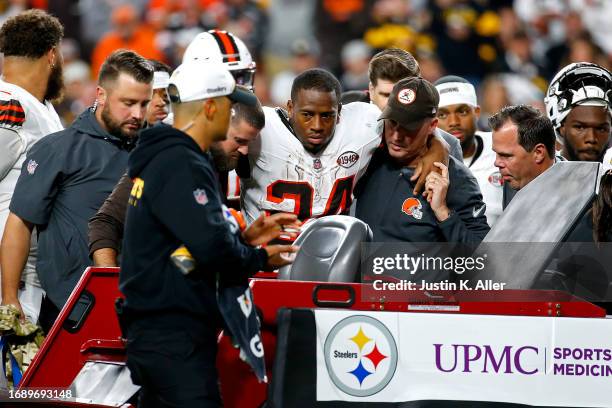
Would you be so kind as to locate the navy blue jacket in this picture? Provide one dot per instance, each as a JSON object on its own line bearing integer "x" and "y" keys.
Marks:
{"x": 65, "y": 178}
{"x": 175, "y": 200}
{"x": 386, "y": 203}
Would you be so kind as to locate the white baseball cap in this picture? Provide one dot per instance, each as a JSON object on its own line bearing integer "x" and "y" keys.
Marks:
{"x": 198, "y": 80}
{"x": 455, "y": 90}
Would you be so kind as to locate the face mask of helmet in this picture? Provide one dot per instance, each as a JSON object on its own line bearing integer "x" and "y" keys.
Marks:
{"x": 244, "y": 77}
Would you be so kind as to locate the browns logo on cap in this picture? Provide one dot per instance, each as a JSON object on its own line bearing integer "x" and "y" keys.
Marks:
{"x": 412, "y": 100}
{"x": 406, "y": 96}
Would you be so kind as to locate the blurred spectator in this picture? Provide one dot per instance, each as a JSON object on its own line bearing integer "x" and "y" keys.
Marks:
{"x": 290, "y": 20}
{"x": 262, "y": 90}
{"x": 500, "y": 90}
{"x": 96, "y": 17}
{"x": 337, "y": 22}
{"x": 574, "y": 29}
{"x": 128, "y": 33}
{"x": 518, "y": 58}
{"x": 244, "y": 18}
{"x": 80, "y": 90}
{"x": 542, "y": 22}
{"x": 395, "y": 28}
{"x": 67, "y": 11}
{"x": 509, "y": 23}
{"x": 305, "y": 55}
{"x": 10, "y": 8}
{"x": 356, "y": 56}
{"x": 493, "y": 97}
{"x": 159, "y": 107}
{"x": 180, "y": 42}
{"x": 431, "y": 67}
{"x": 177, "y": 5}
{"x": 582, "y": 48}
{"x": 458, "y": 43}
{"x": 596, "y": 16}
{"x": 522, "y": 91}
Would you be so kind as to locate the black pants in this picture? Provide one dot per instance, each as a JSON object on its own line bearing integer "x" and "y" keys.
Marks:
{"x": 174, "y": 367}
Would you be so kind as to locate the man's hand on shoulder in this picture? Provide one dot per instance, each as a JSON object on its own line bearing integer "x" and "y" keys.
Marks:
{"x": 437, "y": 151}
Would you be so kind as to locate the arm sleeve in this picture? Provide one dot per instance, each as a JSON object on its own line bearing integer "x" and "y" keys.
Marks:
{"x": 12, "y": 147}
{"x": 467, "y": 223}
{"x": 41, "y": 175}
{"x": 105, "y": 229}
{"x": 188, "y": 205}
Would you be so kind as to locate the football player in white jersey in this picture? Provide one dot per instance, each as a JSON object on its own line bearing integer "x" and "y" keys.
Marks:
{"x": 224, "y": 47}
{"x": 308, "y": 159}
{"x": 32, "y": 77}
{"x": 458, "y": 115}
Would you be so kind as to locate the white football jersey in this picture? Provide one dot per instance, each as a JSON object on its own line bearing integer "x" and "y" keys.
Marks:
{"x": 24, "y": 120}
{"x": 233, "y": 185}
{"x": 285, "y": 177}
{"x": 488, "y": 177}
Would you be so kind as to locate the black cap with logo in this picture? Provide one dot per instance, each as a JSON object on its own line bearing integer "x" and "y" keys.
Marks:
{"x": 412, "y": 100}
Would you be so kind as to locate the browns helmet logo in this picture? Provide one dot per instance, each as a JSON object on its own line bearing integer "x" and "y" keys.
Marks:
{"x": 412, "y": 207}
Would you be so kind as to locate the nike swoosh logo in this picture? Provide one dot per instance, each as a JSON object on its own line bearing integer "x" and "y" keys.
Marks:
{"x": 478, "y": 211}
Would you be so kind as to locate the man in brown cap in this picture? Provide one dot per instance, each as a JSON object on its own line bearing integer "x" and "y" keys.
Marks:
{"x": 451, "y": 208}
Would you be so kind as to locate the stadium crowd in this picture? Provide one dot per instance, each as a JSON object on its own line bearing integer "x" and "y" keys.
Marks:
{"x": 508, "y": 49}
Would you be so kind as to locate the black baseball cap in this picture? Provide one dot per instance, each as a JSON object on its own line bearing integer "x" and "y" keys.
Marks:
{"x": 412, "y": 100}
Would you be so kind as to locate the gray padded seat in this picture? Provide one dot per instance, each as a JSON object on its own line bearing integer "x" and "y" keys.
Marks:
{"x": 330, "y": 250}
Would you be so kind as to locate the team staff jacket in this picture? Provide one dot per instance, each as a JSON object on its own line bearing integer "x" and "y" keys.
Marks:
{"x": 64, "y": 180}
{"x": 175, "y": 200}
{"x": 386, "y": 203}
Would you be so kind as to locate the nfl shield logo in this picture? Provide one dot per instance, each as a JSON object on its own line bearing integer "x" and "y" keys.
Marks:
{"x": 200, "y": 196}
{"x": 32, "y": 165}
{"x": 316, "y": 164}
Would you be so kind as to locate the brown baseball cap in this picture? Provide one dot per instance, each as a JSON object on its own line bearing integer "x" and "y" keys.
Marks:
{"x": 412, "y": 100}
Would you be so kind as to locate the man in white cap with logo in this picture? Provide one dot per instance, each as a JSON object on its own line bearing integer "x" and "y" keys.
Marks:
{"x": 458, "y": 114}
{"x": 170, "y": 315}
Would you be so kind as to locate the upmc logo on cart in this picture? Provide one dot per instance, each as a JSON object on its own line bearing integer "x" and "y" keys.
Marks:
{"x": 360, "y": 355}
{"x": 468, "y": 358}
